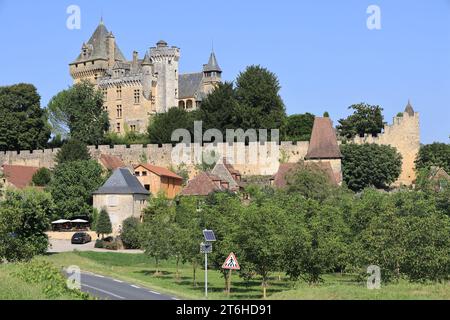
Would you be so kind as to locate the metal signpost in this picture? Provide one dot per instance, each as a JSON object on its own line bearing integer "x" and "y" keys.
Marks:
{"x": 206, "y": 248}
{"x": 231, "y": 264}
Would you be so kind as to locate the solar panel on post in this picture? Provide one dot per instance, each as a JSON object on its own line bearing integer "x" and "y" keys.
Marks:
{"x": 209, "y": 235}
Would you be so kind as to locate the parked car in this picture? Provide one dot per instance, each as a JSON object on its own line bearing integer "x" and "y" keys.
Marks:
{"x": 81, "y": 238}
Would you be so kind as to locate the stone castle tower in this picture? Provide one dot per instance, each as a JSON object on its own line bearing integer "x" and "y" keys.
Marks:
{"x": 135, "y": 90}
{"x": 403, "y": 134}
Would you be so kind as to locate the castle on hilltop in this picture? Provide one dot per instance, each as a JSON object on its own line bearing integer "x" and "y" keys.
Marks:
{"x": 134, "y": 90}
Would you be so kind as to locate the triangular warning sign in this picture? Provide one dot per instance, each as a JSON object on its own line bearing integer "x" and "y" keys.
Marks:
{"x": 231, "y": 263}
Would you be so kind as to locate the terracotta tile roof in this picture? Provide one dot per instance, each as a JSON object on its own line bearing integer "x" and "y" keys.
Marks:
{"x": 160, "y": 171}
{"x": 202, "y": 185}
{"x": 323, "y": 144}
{"x": 111, "y": 162}
{"x": 19, "y": 176}
{"x": 280, "y": 178}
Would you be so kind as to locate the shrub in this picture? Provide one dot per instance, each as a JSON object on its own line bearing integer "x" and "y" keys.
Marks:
{"x": 42, "y": 272}
{"x": 42, "y": 177}
{"x": 99, "y": 244}
{"x": 130, "y": 233}
{"x": 103, "y": 225}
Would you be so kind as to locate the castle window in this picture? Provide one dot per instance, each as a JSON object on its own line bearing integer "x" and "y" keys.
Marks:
{"x": 181, "y": 104}
{"x": 105, "y": 94}
{"x": 137, "y": 96}
{"x": 176, "y": 93}
{"x": 118, "y": 127}
{"x": 119, "y": 111}
{"x": 189, "y": 104}
{"x": 119, "y": 92}
{"x": 105, "y": 108}
{"x": 133, "y": 128}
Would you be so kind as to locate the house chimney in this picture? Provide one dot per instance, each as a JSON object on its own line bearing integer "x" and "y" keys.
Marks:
{"x": 135, "y": 58}
{"x": 111, "y": 50}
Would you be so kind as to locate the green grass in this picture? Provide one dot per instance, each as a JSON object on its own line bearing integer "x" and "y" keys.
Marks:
{"x": 13, "y": 288}
{"x": 139, "y": 269}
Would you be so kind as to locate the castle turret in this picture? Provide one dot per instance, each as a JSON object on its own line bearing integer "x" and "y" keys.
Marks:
{"x": 96, "y": 56}
{"x": 165, "y": 66}
{"x": 212, "y": 74}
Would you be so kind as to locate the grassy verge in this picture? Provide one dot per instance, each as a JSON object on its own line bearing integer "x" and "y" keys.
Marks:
{"x": 14, "y": 288}
{"x": 139, "y": 269}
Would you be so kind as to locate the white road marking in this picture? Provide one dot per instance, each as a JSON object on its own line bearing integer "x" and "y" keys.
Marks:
{"x": 119, "y": 281}
{"x": 104, "y": 291}
{"x": 175, "y": 299}
{"x": 154, "y": 292}
{"x": 134, "y": 286}
{"x": 98, "y": 275}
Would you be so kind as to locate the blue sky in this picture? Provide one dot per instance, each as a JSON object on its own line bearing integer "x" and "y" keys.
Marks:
{"x": 323, "y": 53}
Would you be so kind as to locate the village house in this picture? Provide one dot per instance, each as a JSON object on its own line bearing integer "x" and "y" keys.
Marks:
{"x": 158, "y": 179}
{"x": 17, "y": 177}
{"x": 122, "y": 196}
{"x": 110, "y": 162}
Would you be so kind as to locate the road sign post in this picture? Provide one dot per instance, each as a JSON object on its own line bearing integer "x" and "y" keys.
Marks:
{"x": 231, "y": 264}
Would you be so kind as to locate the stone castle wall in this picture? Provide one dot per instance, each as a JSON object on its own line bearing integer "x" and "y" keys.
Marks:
{"x": 403, "y": 134}
{"x": 253, "y": 159}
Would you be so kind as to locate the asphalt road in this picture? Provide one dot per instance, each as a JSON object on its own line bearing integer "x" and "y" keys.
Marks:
{"x": 113, "y": 289}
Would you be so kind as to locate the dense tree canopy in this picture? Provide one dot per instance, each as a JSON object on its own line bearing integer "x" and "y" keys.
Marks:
{"x": 298, "y": 127}
{"x": 163, "y": 125}
{"x": 42, "y": 177}
{"x": 260, "y": 104}
{"x": 435, "y": 154}
{"x": 219, "y": 109}
{"x": 72, "y": 150}
{"x": 24, "y": 217}
{"x": 78, "y": 113}
{"x": 73, "y": 185}
{"x": 366, "y": 119}
{"x": 370, "y": 165}
{"x": 23, "y": 124}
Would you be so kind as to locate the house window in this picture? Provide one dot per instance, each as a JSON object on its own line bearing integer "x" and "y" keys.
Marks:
{"x": 119, "y": 92}
{"x": 144, "y": 173}
{"x": 137, "y": 96}
{"x": 137, "y": 174}
{"x": 118, "y": 127}
{"x": 147, "y": 187}
{"x": 112, "y": 201}
{"x": 119, "y": 111}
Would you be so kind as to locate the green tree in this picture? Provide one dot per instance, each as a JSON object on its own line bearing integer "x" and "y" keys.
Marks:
{"x": 435, "y": 154}
{"x": 42, "y": 177}
{"x": 23, "y": 124}
{"x": 316, "y": 242}
{"x": 131, "y": 233}
{"x": 298, "y": 127}
{"x": 219, "y": 109}
{"x": 370, "y": 165}
{"x": 260, "y": 240}
{"x": 157, "y": 231}
{"x": 163, "y": 125}
{"x": 72, "y": 187}
{"x": 72, "y": 150}
{"x": 78, "y": 113}
{"x": 24, "y": 218}
{"x": 260, "y": 104}
{"x": 310, "y": 181}
{"x": 103, "y": 225}
{"x": 366, "y": 119}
